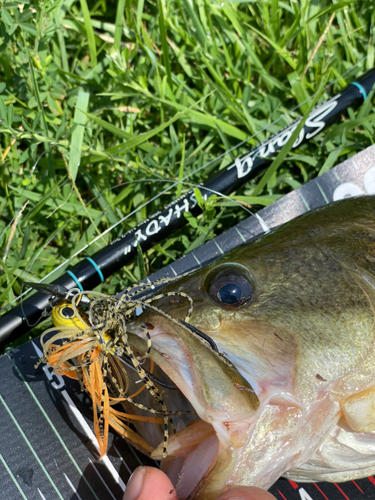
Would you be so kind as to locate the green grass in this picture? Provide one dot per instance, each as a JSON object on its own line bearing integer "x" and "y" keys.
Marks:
{"x": 97, "y": 98}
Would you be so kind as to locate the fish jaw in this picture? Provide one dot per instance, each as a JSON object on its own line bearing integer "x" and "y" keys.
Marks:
{"x": 218, "y": 393}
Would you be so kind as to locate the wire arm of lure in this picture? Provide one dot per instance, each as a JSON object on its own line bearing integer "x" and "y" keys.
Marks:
{"x": 57, "y": 292}
{"x": 200, "y": 334}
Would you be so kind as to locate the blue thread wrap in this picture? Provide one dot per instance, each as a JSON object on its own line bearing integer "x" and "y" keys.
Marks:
{"x": 75, "y": 279}
{"x": 361, "y": 89}
{"x": 96, "y": 268}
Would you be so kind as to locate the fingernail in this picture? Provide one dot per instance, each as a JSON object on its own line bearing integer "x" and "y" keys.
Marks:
{"x": 135, "y": 483}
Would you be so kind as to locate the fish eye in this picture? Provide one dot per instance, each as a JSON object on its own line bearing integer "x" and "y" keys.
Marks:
{"x": 231, "y": 288}
{"x": 67, "y": 312}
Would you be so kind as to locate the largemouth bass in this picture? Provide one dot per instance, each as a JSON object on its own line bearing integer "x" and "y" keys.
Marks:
{"x": 284, "y": 383}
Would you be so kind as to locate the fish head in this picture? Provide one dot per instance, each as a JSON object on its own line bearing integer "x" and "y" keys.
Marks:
{"x": 235, "y": 303}
{"x": 291, "y": 315}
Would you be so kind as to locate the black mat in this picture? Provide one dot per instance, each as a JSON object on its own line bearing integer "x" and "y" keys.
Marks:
{"x": 47, "y": 445}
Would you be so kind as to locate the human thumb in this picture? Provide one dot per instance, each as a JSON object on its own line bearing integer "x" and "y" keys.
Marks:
{"x": 149, "y": 483}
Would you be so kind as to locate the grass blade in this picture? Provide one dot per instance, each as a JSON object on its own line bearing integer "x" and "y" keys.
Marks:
{"x": 80, "y": 120}
{"x": 164, "y": 44}
{"x": 89, "y": 32}
{"x": 282, "y": 52}
{"x": 333, "y": 8}
{"x": 118, "y": 30}
{"x": 299, "y": 91}
{"x": 201, "y": 35}
{"x": 200, "y": 118}
{"x": 137, "y": 140}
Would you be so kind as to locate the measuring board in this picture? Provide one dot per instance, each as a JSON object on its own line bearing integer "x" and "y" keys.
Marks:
{"x": 48, "y": 448}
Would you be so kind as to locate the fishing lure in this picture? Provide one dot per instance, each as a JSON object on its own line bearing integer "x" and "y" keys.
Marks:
{"x": 92, "y": 347}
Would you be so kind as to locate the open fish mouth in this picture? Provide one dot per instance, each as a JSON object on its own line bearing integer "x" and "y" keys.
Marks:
{"x": 192, "y": 446}
{"x": 224, "y": 402}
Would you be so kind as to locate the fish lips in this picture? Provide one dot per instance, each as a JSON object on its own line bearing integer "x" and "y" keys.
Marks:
{"x": 210, "y": 382}
{"x": 217, "y": 391}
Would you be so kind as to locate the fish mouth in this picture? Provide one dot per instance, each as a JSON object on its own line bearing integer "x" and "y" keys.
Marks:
{"x": 224, "y": 403}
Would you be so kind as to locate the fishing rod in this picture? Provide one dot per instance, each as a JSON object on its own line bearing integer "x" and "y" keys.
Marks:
{"x": 93, "y": 270}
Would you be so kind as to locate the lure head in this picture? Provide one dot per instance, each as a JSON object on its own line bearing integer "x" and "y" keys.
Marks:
{"x": 63, "y": 314}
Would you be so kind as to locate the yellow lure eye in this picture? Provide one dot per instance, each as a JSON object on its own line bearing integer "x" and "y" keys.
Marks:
{"x": 67, "y": 312}
{"x": 63, "y": 315}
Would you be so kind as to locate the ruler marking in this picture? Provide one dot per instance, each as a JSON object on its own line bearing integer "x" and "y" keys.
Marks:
{"x": 134, "y": 453}
{"x": 84, "y": 425}
{"x": 322, "y": 192}
{"x": 304, "y": 201}
{"x": 340, "y": 490}
{"x": 72, "y": 487}
{"x": 357, "y": 486}
{"x": 317, "y": 487}
{"x": 282, "y": 496}
{"x": 262, "y": 223}
{"x": 335, "y": 174}
{"x": 41, "y": 495}
{"x": 196, "y": 258}
{"x": 91, "y": 436}
{"x": 173, "y": 271}
{"x": 122, "y": 460}
{"x": 101, "y": 478}
{"x": 241, "y": 235}
{"x": 51, "y": 424}
{"x": 219, "y": 247}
